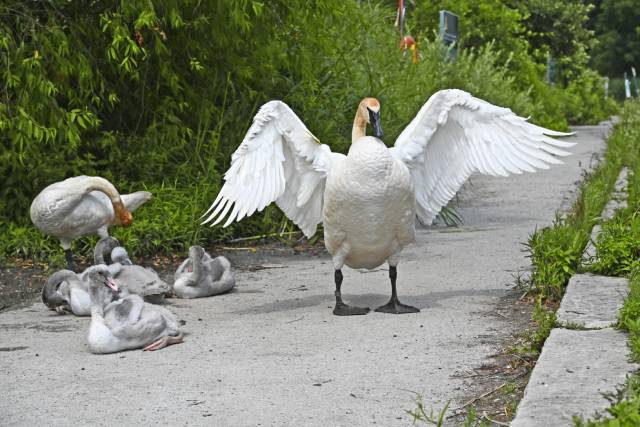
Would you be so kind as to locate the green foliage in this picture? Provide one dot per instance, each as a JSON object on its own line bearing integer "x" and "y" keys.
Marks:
{"x": 556, "y": 251}
{"x": 159, "y": 95}
{"x": 420, "y": 414}
{"x": 629, "y": 316}
{"x": 618, "y": 246}
{"x": 584, "y": 99}
{"x": 558, "y": 29}
{"x": 555, "y": 255}
{"x": 480, "y": 23}
{"x": 545, "y": 320}
{"x": 526, "y": 34}
{"x": 617, "y": 25}
{"x": 617, "y": 253}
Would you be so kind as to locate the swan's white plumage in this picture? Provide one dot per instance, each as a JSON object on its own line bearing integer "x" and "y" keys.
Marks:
{"x": 455, "y": 134}
{"x": 368, "y": 199}
{"x": 279, "y": 160}
{"x": 79, "y": 206}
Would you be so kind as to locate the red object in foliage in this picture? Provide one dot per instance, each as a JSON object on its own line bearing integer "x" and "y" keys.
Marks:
{"x": 407, "y": 42}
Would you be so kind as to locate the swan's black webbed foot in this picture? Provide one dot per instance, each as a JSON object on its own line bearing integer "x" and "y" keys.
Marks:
{"x": 394, "y": 306}
{"x": 342, "y": 309}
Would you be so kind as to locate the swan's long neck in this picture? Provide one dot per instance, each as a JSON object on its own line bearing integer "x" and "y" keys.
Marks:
{"x": 198, "y": 269}
{"x": 49, "y": 291}
{"x": 99, "y": 299}
{"x": 96, "y": 183}
{"x": 359, "y": 127}
{"x": 104, "y": 245}
{"x": 96, "y": 310}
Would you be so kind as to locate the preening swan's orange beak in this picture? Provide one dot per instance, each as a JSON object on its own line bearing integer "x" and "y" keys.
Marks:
{"x": 123, "y": 216}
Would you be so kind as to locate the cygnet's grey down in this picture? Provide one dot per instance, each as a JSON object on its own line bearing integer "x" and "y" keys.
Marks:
{"x": 64, "y": 291}
{"x": 203, "y": 276}
{"x": 127, "y": 323}
{"x": 136, "y": 279}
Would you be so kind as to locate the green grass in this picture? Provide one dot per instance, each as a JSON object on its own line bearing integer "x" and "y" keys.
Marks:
{"x": 617, "y": 252}
{"x": 618, "y": 245}
{"x": 556, "y": 251}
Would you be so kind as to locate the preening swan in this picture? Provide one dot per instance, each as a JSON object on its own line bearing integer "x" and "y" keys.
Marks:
{"x": 368, "y": 200}
{"x": 82, "y": 205}
{"x": 203, "y": 276}
{"x": 136, "y": 279}
{"x": 65, "y": 291}
{"x": 119, "y": 324}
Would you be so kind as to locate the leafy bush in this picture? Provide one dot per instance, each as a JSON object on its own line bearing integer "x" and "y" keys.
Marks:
{"x": 158, "y": 96}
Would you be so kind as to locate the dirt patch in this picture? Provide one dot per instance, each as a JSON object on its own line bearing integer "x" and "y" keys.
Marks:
{"x": 494, "y": 389}
{"x": 20, "y": 283}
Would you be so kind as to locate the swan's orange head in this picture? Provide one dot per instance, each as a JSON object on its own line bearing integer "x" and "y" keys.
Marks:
{"x": 369, "y": 109}
{"x": 123, "y": 216}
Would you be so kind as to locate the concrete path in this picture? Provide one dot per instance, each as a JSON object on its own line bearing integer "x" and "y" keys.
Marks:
{"x": 273, "y": 354}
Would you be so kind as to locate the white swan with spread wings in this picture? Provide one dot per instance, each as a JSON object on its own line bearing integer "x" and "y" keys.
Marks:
{"x": 369, "y": 199}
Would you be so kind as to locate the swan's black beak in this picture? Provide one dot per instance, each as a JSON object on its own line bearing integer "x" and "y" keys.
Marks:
{"x": 374, "y": 119}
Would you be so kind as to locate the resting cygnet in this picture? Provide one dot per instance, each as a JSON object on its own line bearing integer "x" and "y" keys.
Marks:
{"x": 119, "y": 324}
{"x": 64, "y": 291}
{"x": 203, "y": 276}
{"x": 136, "y": 279}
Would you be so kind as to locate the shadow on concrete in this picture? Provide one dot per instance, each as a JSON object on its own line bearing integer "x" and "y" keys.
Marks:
{"x": 423, "y": 301}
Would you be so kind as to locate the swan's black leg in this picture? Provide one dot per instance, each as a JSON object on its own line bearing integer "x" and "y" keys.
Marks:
{"x": 69, "y": 255}
{"x": 394, "y": 305}
{"x": 341, "y": 308}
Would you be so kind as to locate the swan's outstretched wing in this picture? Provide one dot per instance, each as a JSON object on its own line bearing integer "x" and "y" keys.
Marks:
{"x": 279, "y": 160}
{"x": 456, "y": 134}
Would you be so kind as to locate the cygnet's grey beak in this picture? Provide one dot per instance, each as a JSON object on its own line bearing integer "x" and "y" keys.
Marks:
{"x": 374, "y": 119}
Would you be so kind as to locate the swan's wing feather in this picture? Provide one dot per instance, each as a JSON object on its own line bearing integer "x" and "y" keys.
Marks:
{"x": 279, "y": 161}
{"x": 455, "y": 135}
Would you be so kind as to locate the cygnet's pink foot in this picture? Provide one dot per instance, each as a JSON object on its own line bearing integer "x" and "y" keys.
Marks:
{"x": 163, "y": 342}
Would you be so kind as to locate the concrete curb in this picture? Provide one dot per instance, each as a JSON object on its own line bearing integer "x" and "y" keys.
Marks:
{"x": 571, "y": 376}
{"x": 578, "y": 367}
{"x": 592, "y": 302}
